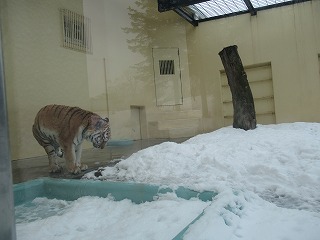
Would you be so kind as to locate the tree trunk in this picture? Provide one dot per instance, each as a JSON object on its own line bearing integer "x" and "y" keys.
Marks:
{"x": 244, "y": 115}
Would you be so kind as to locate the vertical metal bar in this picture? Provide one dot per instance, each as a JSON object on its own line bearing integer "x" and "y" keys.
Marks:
{"x": 70, "y": 15}
{"x": 89, "y": 36}
{"x": 71, "y": 28}
{"x": 82, "y": 29}
{"x": 7, "y": 220}
{"x": 65, "y": 19}
{"x": 87, "y": 31}
{"x": 76, "y": 32}
{"x": 64, "y": 33}
{"x": 74, "y": 44}
{"x": 161, "y": 67}
{"x": 83, "y": 43}
{"x": 78, "y": 26}
{"x": 165, "y": 67}
{"x": 70, "y": 31}
{"x": 106, "y": 84}
{"x": 66, "y": 28}
{"x": 84, "y": 33}
{"x": 76, "y": 23}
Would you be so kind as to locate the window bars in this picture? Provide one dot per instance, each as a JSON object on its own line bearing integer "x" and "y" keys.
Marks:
{"x": 76, "y": 31}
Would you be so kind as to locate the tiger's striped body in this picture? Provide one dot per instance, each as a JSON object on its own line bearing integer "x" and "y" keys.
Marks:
{"x": 60, "y": 130}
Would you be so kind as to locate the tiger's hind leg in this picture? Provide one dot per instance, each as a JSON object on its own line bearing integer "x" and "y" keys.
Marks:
{"x": 54, "y": 167}
{"x": 51, "y": 151}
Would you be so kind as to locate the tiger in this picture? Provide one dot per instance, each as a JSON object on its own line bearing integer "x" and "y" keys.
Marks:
{"x": 60, "y": 130}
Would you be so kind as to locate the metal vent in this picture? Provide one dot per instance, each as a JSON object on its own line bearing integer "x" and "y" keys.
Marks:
{"x": 76, "y": 30}
{"x": 166, "y": 67}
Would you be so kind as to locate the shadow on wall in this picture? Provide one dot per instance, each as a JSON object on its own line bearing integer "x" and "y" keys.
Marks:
{"x": 151, "y": 30}
{"x": 143, "y": 26}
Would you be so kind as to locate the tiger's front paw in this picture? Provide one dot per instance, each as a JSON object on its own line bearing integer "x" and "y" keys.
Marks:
{"x": 74, "y": 169}
{"x": 83, "y": 167}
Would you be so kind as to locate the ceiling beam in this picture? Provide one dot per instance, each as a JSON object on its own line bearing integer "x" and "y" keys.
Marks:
{"x": 252, "y": 10}
{"x": 166, "y": 5}
{"x": 186, "y": 17}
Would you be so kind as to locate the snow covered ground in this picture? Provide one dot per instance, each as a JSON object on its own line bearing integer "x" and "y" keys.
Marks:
{"x": 267, "y": 179}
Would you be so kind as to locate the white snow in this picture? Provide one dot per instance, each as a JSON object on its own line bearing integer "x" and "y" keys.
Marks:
{"x": 267, "y": 179}
{"x": 104, "y": 218}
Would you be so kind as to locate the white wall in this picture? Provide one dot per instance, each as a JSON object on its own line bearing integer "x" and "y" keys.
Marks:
{"x": 288, "y": 37}
{"x": 124, "y": 33}
{"x": 38, "y": 70}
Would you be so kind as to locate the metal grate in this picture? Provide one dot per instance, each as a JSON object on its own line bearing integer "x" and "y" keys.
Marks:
{"x": 166, "y": 67}
{"x": 76, "y": 30}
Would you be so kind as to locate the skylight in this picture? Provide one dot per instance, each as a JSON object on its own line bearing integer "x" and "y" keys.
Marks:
{"x": 264, "y": 3}
{"x": 217, "y": 8}
{"x": 196, "y": 11}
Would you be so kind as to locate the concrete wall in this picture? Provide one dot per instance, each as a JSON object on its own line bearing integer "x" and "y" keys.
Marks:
{"x": 38, "y": 70}
{"x": 288, "y": 37}
{"x": 121, "y": 72}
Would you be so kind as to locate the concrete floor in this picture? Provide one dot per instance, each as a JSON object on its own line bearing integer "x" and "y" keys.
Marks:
{"x": 37, "y": 167}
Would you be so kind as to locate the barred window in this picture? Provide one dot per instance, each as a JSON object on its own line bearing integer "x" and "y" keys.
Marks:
{"x": 166, "y": 67}
{"x": 76, "y": 30}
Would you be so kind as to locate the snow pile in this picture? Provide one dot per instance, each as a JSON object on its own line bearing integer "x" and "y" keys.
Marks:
{"x": 238, "y": 215}
{"x": 281, "y": 163}
{"x": 267, "y": 179}
{"x": 104, "y": 218}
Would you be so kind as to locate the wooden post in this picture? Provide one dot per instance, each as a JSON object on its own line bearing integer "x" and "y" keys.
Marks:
{"x": 244, "y": 115}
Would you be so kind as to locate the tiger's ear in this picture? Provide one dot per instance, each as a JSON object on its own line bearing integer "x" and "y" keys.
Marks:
{"x": 97, "y": 122}
{"x": 106, "y": 119}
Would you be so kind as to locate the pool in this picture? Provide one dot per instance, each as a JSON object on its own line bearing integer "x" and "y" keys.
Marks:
{"x": 32, "y": 192}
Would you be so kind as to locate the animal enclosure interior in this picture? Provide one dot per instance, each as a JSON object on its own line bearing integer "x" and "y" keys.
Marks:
{"x": 139, "y": 94}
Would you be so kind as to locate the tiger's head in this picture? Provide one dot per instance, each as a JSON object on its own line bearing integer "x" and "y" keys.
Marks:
{"x": 100, "y": 132}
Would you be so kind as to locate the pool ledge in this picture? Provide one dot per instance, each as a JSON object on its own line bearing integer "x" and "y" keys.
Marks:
{"x": 71, "y": 189}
